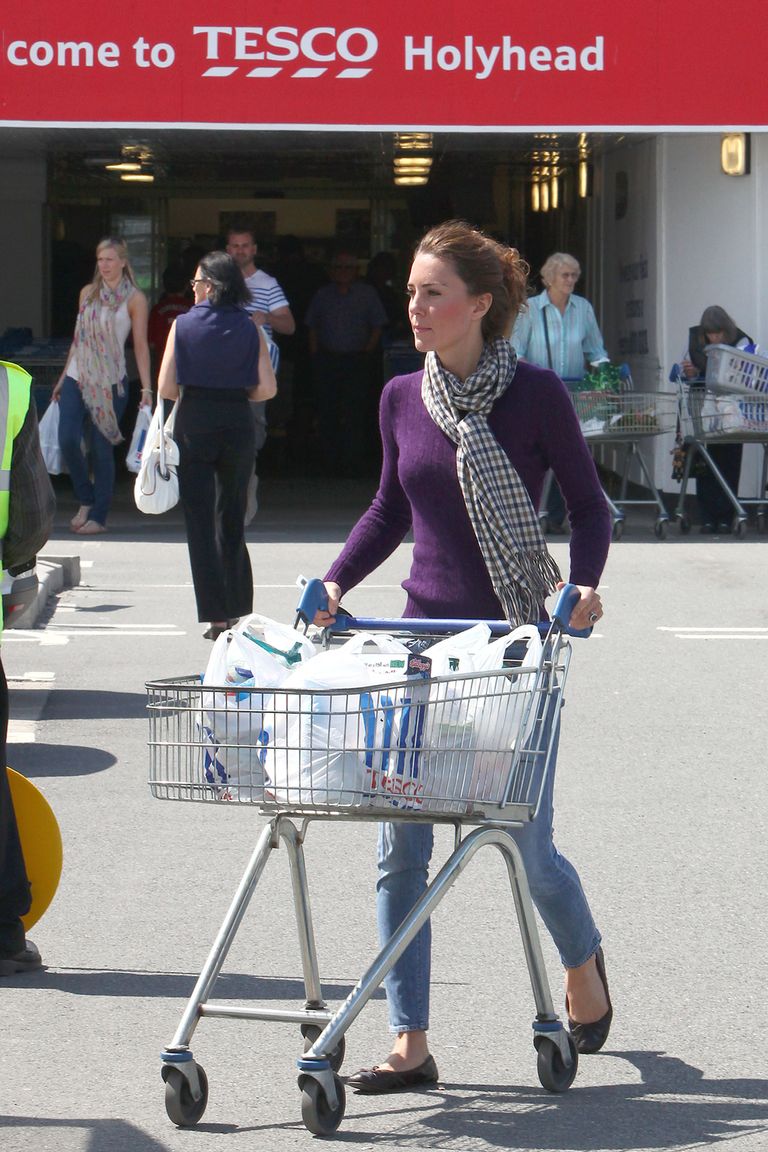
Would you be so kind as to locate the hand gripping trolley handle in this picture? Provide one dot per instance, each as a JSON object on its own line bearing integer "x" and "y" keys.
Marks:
{"x": 472, "y": 750}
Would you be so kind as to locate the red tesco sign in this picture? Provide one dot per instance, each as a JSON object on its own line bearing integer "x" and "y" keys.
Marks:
{"x": 567, "y": 65}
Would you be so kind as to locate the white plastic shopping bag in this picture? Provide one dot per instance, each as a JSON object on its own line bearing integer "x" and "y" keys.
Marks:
{"x": 244, "y": 669}
{"x": 49, "y": 440}
{"x": 345, "y": 738}
{"x": 313, "y": 757}
{"x": 474, "y": 721}
{"x": 136, "y": 447}
{"x": 505, "y": 711}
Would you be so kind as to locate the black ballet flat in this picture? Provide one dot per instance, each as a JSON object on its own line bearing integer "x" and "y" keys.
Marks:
{"x": 377, "y": 1081}
{"x": 590, "y": 1038}
{"x": 215, "y": 631}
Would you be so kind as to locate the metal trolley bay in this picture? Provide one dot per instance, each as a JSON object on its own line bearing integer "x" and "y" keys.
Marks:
{"x": 628, "y": 417}
{"x": 472, "y": 750}
{"x": 730, "y": 406}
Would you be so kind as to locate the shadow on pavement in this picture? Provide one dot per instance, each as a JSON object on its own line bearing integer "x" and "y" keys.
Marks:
{"x": 142, "y": 984}
{"x": 102, "y": 1135}
{"x": 41, "y": 760}
{"x": 83, "y": 704}
{"x": 673, "y": 1107}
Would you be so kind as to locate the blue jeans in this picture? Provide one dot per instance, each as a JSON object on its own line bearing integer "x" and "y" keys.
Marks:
{"x": 92, "y": 472}
{"x": 404, "y": 854}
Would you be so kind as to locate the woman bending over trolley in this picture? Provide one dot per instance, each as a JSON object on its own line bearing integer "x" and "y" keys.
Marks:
{"x": 715, "y": 327}
{"x": 466, "y": 444}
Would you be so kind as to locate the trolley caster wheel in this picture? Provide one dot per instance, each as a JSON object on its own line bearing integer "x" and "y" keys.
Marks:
{"x": 544, "y": 525}
{"x": 310, "y": 1032}
{"x": 182, "y": 1108}
{"x": 319, "y": 1118}
{"x": 660, "y": 529}
{"x": 739, "y": 527}
{"x": 760, "y": 521}
{"x": 684, "y": 525}
{"x": 552, "y": 1072}
{"x": 618, "y": 529}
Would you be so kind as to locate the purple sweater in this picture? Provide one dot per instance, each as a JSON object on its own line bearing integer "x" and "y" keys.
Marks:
{"x": 536, "y": 425}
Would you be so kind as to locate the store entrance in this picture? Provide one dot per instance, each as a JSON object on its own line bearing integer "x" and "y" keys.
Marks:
{"x": 305, "y": 196}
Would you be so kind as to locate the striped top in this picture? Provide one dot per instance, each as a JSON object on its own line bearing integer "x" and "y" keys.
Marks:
{"x": 266, "y": 295}
{"x": 574, "y": 336}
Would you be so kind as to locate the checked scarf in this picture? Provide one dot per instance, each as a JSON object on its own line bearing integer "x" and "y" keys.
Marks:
{"x": 99, "y": 354}
{"x": 505, "y": 523}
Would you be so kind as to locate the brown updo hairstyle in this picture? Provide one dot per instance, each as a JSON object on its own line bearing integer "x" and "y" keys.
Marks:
{"x": 484, "y": 265}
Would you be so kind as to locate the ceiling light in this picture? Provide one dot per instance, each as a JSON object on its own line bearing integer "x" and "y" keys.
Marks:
{"x": 138, "y": 177}
{"x": 734, "y": 153}
{"x": 123, "y": 166}
{"x": 412, "y": 159}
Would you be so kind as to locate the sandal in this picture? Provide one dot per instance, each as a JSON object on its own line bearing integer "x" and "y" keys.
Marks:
{"x": 91, "y": 528}
{"x": 80, "y": 518}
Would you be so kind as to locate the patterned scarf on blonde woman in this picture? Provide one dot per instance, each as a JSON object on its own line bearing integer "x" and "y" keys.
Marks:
{"x": 505, "y": 523}
{"x": 99, "y": 355}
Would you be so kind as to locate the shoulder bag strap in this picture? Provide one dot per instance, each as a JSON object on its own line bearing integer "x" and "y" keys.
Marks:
{"x": 546, "y": 336}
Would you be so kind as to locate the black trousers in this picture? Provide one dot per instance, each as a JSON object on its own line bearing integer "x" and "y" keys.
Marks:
{"x": 343, "y": 390}
{"x": 14, "y": 885}
{"x": 715, "y": 506}
{"x": 215, "y": 434}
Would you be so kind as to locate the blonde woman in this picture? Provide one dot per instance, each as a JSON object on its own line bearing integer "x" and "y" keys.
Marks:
{"x": 92, "y": 391}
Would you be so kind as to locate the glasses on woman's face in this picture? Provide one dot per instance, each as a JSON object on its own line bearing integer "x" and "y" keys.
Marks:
{"x": 194, "y": 283}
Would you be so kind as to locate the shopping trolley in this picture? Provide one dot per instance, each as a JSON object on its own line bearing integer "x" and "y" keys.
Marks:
{"x": 730, "y": 406}
{"x": 472, "y": 750}
{"x": 628, "y": 417}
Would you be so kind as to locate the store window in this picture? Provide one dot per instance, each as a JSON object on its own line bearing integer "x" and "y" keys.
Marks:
{"x": 139, "y": 234}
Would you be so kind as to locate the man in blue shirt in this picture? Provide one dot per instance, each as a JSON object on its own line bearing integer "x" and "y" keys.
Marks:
{"x": 345, "y": 319}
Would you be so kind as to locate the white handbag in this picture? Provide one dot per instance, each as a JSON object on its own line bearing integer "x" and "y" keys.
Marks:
{"x": 157, "y": 484}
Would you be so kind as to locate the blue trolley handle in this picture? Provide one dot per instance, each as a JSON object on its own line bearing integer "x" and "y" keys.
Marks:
{"x": 314, "y": 598}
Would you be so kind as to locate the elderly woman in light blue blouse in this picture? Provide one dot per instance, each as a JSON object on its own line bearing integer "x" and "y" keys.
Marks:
{"x": 559, "y": 331}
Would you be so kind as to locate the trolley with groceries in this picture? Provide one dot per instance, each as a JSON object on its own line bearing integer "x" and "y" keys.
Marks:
{"x": 729, "y": 406}
{"x": 369, "y": 720}
{"x": 625, "y": 417}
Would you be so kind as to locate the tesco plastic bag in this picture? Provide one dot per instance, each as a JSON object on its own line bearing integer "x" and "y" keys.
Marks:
{"x": 136, "y": 447}
{"x": 475, "y": 722}
{"x": 246, "y": 665}
{"x": 343, "y": 737}
{"x": 49, "y": 440}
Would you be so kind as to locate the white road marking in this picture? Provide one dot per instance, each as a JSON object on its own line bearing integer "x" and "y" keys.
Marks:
{"x": 685, "y": 628}
{"x": 719, "y": 632}
{"x": 21, "y": 732}
{"x": 52, "y": 635}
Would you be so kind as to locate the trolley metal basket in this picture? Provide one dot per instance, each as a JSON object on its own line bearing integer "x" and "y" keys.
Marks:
{"x": 712, "y": 413}
{"x": 471, "y": 749}
{"x": 627, "y": 418}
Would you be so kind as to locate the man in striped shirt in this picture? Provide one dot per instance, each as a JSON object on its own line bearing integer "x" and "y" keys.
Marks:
{"x": 271, "y": 310}
{"x": 269, "y": 305}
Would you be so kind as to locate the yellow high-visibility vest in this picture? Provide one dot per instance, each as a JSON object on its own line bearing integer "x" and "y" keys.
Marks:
{"x": 14, "y": 404}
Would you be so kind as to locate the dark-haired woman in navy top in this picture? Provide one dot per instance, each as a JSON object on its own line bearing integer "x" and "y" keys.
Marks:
{"x": 217, "y": 355}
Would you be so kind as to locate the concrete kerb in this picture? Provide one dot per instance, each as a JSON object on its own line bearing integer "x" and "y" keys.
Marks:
{"x": 54, "y": 574}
